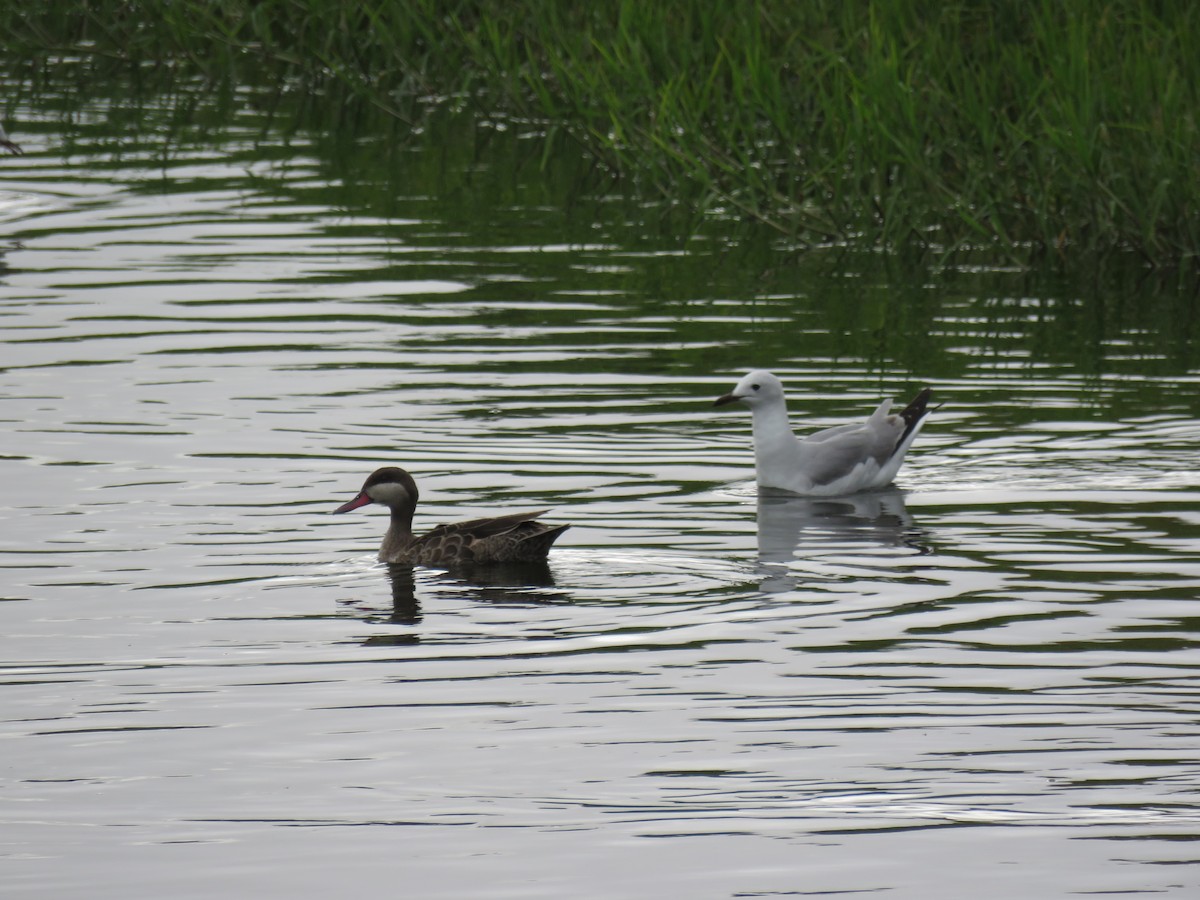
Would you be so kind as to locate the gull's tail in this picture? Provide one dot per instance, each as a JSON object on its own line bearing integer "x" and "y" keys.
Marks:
{"x": 913, "y": 414}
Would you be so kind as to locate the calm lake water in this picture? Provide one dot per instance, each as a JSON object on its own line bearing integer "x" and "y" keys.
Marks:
{"x": 985, "y": 682}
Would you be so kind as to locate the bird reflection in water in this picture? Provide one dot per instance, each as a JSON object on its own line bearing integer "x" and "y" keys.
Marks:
{"x": 790, "y": 525}
{"x": 520, "y": 584}
{"x": 406, "y": 608}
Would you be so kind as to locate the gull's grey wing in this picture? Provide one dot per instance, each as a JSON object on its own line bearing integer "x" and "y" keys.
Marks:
{"x": 836, "y": 455}
{"x": 826, "y": 434}
{"x": 832, "y": 453}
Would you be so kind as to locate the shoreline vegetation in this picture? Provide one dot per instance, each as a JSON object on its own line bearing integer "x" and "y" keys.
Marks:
{"x": 1025, "y": 132}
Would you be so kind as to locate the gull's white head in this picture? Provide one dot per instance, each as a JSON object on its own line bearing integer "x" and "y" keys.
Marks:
{"x": 756, "y": 389}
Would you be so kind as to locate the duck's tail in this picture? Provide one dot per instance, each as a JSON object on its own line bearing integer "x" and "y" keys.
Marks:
{"x": 534, "y": 547}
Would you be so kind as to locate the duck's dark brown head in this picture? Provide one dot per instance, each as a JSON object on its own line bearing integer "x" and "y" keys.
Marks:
{"x": 390, "y": 486}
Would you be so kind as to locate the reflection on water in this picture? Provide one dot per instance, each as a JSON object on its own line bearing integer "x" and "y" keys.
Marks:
{"x": 785, "y": 521}
{"x": 792, "y": 528}
{"x": 512, "y": 583}
{"x": 208, "y": 679}
{"x": 406, "y": 608}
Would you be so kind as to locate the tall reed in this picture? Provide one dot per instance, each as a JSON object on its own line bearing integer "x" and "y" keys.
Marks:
{"x": 1019, "y": 129}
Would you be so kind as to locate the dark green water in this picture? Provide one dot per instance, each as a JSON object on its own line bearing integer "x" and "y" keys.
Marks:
{"x": 215, "y": 323}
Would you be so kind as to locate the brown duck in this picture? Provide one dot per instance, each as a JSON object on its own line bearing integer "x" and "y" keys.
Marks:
{"x": 504, "y": 539}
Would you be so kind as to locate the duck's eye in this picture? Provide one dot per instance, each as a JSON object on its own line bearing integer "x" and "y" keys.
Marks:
{"x": 756, "y": 386}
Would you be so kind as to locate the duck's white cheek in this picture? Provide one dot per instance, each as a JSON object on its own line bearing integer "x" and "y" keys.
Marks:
{"x": 388, "y": 494}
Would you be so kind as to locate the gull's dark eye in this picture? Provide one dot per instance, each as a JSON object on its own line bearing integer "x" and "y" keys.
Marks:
{"x": 756, "y": 386}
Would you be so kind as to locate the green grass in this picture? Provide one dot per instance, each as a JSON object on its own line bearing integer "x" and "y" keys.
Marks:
{"x": 1014, "y": 130}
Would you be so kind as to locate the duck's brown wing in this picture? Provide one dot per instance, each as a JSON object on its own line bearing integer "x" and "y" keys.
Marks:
{"x": 482, "y": 528}
{"x": 512, "y": 538}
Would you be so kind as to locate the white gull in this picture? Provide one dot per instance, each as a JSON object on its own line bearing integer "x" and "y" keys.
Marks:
{"x": 863, "y": 456}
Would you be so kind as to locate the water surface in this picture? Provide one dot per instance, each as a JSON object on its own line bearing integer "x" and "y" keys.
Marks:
{"x": 984, "y": 679}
